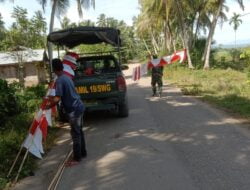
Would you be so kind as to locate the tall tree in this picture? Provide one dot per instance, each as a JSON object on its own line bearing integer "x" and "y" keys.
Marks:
{"x": 1, "y": 23}
{"x": 217, "y": 10}
{"x": 39, "y": 28}
{"x": 101, "y": 20}
{"x": 201, "y": 18}
{"x": 86, "y": 23}
{"x": 149, "y": 26}
{"x": 168, "y": 18}
{"x": 235, "y": 21}
{"x": 20, "y": 29}
{"x": 2, "y": 32}
{"x": 184, "y": 30}
{"x": 65, "y": 22}
{"x": 60, "y": 7}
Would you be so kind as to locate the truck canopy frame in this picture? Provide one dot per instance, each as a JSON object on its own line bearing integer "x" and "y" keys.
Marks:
{"x": 85, "y": 35}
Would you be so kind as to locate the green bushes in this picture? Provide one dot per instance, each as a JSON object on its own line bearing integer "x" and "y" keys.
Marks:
{"x": 17, "y": 107}
{"x": 30, "y": 98}
{"x": 14, "y": 99}
{"x": 8, "y": 102}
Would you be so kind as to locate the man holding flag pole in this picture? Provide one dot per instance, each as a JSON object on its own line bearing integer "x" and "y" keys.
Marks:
{"x": 66, "y": 93}
{"x": 43, "y": 118}
{"x": 156, "y": 78}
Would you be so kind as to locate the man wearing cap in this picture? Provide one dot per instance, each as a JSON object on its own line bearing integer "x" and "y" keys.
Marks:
{"x": 66, "y": 93}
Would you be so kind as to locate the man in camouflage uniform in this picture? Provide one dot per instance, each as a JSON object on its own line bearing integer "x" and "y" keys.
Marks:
{"x": 156, "y": 78}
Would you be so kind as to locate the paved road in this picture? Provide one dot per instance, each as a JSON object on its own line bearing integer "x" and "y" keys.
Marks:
{"x": 173, "y": 142}
{"x": 169, "y": 143}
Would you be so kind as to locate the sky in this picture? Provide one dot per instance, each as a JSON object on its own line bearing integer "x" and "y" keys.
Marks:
{"x": 126, "y": 10}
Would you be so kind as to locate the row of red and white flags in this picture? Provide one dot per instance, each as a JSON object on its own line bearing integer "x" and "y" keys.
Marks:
{"x": 43, "y": 118}
{"x": 142, "y": 69}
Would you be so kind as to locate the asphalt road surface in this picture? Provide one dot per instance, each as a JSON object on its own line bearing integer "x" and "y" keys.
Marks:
{"x": 172, "y": 142}
{"x": 169, "y": 143}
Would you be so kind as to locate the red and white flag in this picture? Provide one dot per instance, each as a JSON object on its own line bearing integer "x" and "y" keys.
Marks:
{"x": 136, "y": 73}
{"x": 37, "y": 133}
{"x": 156, "y": 63}
{"x": 38, "y": 129}
{"x": 142, "y": 69}
{"x": 177, "y": 56}
{"x": 165, "y": 60}
{"x": 139, "y": 71}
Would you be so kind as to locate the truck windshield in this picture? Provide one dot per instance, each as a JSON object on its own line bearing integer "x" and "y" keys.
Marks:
{"x": 92, "y": 66}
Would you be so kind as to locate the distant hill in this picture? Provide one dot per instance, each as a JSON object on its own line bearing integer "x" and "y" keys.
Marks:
{"x": 239, "y": 44}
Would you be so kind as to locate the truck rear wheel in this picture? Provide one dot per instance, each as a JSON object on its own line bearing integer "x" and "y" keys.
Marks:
{"x": 123, "y": 110}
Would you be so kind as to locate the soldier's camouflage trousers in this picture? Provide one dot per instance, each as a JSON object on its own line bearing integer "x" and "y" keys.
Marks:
{"x": 158, "y": 81}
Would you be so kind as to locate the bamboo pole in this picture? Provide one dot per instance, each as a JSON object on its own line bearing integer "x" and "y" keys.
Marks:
{"x": 62, "y": 170}
{"x": 14, "y": 163}
{"x": 21, "y": 166}
{"x": 20, "y": 150}
{"x": 55, "y": 181}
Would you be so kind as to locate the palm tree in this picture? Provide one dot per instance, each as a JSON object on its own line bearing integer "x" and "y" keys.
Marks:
{"x": 65, "y": 23}
{"x": 150, "y": 25}
{"x": 170, "y": 15}
{"x": 59, "y": 7}
{"x": 236, "y": 21}
{"x": 39, "y": 28}
{"x": 101, "y": 20}
{"x": 201, "y": 18}
{"x": 217, "y": 10}
{"x": 86, "y": 23}
{"x": 1, "y": 23}
{"x": 184, "y": 30}
{"x": 2, "y": 32}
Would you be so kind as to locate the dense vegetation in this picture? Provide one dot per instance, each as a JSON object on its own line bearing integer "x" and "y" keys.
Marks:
{"x": 31, "y": 33}
{"x": 173, "y": 24}
{"x": 17, "y": 107}
{"x": 226, "y": 85}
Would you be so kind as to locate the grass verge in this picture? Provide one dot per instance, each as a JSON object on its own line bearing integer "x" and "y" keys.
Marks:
{"x": 228, "y": 89}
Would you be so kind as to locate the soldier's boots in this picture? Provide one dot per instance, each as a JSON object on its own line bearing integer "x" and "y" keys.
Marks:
{"x": 159, "y": 91}
{"x": 154, "y": 91}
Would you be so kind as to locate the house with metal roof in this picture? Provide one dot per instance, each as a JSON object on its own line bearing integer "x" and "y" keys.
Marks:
{"x": 31, "y": 66}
